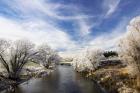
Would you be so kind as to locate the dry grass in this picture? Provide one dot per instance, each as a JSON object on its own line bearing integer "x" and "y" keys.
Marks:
{"x": 114, "y": 78}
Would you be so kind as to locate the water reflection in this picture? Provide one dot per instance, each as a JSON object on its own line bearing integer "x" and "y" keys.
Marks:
{"x": 63, "y": 80}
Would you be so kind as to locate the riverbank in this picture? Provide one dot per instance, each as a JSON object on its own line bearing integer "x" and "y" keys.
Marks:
{"x": 114, "y": 79}
{"x": 10, "y": 84}
{"x": 30, "y": 71}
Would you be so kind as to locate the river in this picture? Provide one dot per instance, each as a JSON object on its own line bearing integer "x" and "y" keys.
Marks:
{"x": 63, "y": 80}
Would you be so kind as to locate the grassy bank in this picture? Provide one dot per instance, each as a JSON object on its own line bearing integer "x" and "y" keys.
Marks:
{"x": 114, "y": 79}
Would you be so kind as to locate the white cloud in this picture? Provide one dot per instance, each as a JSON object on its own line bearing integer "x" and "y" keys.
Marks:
{"x": 109, "y": 41}
{"x": 106, "y": 41}
{"x": 111, "y": 6}
{"x": 84, "y": 27}
{"x": 37, "y": 31}
{"x": 34, "y": 26}
{"x": 44, "y": 7}
{"x": 40, "y": 8}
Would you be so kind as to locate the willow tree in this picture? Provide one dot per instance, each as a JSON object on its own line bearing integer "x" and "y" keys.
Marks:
{"x": 15, "y": 55}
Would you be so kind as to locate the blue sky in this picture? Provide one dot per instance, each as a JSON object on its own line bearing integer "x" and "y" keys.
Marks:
{"x": 67, "y": 25}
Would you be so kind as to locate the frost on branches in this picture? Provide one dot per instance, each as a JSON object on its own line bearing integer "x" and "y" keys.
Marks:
{"x": 88, "y": 60}
{"x": 130, "y": 45}
{"x": 46, "y": 56}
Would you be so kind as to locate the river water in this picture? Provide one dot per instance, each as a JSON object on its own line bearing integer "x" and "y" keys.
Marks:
{"x": 63, "y": 80}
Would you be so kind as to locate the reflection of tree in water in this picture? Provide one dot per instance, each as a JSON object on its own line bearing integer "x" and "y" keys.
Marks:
{"x": 12, "y": 89}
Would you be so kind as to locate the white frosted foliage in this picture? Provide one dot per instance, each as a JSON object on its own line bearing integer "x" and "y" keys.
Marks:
{"x": 130, "y": 44}
{"x": 87, "y": 59}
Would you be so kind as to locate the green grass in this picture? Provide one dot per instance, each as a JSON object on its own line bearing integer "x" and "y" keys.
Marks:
{"x": 32, "y": 64}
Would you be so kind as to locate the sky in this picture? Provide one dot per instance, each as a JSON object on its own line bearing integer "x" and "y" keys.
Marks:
{"x": 67, "y": 25}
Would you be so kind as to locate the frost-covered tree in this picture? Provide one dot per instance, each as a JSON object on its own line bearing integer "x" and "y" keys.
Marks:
{"x": 46, "y": 56}
{"x": 88, "y": 59}
{"x": 15, "y": 55}
{"x": 81, "y": 63}
{"x": 95, "y": 56}
{"x": 130, "y": 44}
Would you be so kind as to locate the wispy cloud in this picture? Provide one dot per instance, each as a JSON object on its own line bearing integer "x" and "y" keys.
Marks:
{"x": 55, "y": 37}
{"x": 110, "y": 40}
{"x": 106, "y": 41}
{"x": 84, "y": 27}
{"x": 111, "y": 6}
{"x": 46, "y": 8}
{"x": 39, "y": 23}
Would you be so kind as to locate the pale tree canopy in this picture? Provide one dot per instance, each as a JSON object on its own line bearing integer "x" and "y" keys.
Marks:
{"x": 88, "y": 59}
{"x": 95, "y": 56}
{"x": 46, "y": 55}
{"x": 14, "y": 55}
{"x": 130, "y": 44}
